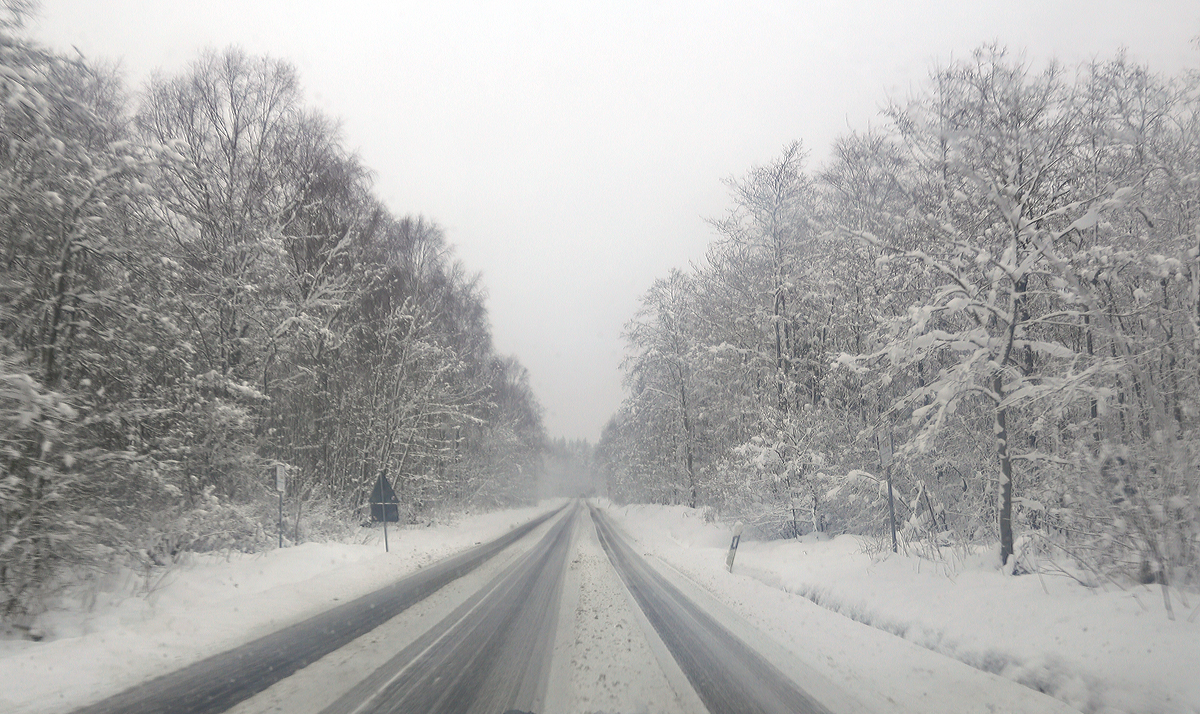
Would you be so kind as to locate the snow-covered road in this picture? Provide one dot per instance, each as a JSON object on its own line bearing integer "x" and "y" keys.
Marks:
{"x": 569, "y": 616}
{"x": 512, "y": 645}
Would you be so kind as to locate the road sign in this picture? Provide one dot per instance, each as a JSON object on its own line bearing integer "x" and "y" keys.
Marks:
{"x": 384, "y": 502}
{"x": 384, "y": 506}
{"x": 885, "y": 448}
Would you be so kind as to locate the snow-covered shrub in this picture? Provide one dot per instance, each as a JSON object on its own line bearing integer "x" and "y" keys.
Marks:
{"x": 60, "y": 508}
{"x": 326, "y": 519}
{"x": 1129, "y": 517}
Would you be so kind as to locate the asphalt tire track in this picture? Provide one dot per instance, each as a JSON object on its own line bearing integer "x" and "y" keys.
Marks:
{"x": 221, "y": 681}
{"x": 492, "y": 654}
{"x": 728, "y": 675}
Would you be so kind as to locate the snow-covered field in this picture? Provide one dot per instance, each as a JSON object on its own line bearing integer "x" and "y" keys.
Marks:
{"x": 103, "y": 639}
{"x": 1097, "y": 650}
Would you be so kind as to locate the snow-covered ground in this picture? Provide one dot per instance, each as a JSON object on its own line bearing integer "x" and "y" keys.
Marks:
{"x": 100, "y": 640}
{"x": 1097, "y": 650}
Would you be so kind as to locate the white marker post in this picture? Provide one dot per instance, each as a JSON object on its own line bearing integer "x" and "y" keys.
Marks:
{"x": 885, "y": 461}
{"x": 280, "y": 486}
{"x": 737, "y": 537}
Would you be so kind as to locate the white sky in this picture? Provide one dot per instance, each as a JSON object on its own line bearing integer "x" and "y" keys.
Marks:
{"x": 572, "y": 150}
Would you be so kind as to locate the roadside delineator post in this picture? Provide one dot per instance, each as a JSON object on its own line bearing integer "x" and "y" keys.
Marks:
{"x": 281, "y": 487}
{"x": 737, "y": 537}
{"x": 885, "y": 462}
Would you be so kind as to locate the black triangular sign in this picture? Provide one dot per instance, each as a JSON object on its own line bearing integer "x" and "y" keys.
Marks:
{"x": 383, "y": 501}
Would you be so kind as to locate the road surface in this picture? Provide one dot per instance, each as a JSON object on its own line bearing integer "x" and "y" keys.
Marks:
{"x": 727, "y": 674}
{"x": 492, "y": 654}
{"x": 513, "y": 637}
{"x": 219, "y": 682}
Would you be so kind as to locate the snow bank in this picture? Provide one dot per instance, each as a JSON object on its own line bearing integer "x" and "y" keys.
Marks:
{"x": 1096, "y": 650}
{"x": 133, "y": 627}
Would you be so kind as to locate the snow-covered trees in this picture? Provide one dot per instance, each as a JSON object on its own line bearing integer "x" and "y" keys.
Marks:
{"x": 662, "y": 380}
{"x": 201, "y": 286}
{"x": 1013, "y": 229}
{"x": 1003, "y": 277}
{"x": 66, "y": 181}
{"x": 996, "y": 138}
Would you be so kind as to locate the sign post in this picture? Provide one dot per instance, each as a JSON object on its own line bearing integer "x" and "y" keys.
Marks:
{"x": 280, "y": 486}
{"x": 737, "y": 537}
{"x": 885, "y": 461}
{"x": 384, "y": 505}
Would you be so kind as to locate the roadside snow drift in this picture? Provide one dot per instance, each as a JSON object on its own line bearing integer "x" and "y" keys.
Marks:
{"x": 1094, "y": 649}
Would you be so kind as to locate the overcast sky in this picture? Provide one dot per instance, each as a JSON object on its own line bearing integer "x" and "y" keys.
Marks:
{"x": 573, "y": 150}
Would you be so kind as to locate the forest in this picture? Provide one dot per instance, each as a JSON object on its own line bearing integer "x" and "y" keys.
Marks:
{"x": 197, "y": 286}
{"x": 985, "y": 309}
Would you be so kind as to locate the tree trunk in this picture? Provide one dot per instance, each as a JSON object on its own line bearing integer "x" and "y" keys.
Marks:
{"x": 687, "y": 443}
{"x": 50, "y": 371}
{"x": 1006, "y": 474}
